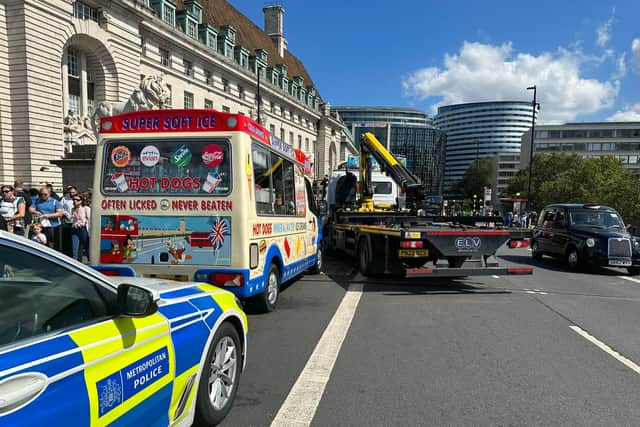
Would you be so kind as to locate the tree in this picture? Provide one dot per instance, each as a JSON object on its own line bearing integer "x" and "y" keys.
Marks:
{"x": 477, "y": 176}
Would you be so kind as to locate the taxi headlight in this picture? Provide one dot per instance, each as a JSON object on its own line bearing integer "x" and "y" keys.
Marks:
{"x": 591, "y": 242}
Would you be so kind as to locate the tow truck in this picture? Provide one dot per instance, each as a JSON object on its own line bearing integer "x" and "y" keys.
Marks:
{"x": 403, "y": 240}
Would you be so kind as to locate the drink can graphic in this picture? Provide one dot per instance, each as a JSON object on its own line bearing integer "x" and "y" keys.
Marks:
{"x": 212, "y": 181}
{"x": 121, "y": 182}
{"x": 120, "y": 156}
{"x": 212, "y": 155}
{"x": 150, "y": 156}
{"x": 181, "y": 155}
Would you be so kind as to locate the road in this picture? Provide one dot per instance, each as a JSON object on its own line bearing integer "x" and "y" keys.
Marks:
{"x": 555, "y": 348}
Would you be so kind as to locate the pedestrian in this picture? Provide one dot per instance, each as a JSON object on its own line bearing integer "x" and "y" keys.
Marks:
{"x": 81, "y": 216}
{"x": 52, "y": 193}
{"x": 3, "y": 223}
{"x": 12, "y": 208}
{"x": 47, "y": 212}
{"x": 21, "y": 192}
{"x": 65, "y": 239}
{"x": 37, "y": 235}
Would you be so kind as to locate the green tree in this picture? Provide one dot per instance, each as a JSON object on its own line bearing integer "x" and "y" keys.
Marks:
{"x": 477, "y": 176}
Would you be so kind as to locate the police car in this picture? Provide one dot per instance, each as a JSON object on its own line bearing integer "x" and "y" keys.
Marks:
{"x": 80, "y": 348}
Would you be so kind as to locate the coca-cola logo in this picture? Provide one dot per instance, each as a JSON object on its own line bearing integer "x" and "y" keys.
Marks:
{"x": 212, "y": 155}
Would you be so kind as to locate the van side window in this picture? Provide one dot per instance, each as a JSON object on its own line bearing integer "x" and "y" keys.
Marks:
{"x": 262, "y": 180}
{"x": 274, "y": 183}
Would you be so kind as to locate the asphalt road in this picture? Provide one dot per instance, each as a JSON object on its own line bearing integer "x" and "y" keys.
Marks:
{"x": 484, "y": 351}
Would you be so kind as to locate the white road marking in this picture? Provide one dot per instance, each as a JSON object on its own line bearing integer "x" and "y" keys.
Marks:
{"x": 302, "y": 402}
{"x": 602, "y": 346}
{"x": 631, "y": 279}
{"x": 495, "y": 276}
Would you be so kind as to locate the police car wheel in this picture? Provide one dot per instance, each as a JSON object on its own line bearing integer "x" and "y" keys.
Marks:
{"x": 220, "y": 377}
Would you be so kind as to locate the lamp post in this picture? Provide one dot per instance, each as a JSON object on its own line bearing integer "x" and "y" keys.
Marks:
{"x": 534, "y": 105}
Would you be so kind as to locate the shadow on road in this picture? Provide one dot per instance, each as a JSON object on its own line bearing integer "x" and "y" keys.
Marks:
{"x": 554, "y": 264}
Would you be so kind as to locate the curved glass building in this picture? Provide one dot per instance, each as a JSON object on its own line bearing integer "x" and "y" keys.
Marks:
{"x": 405, "y": 132}
{"x": 480, "y": 129}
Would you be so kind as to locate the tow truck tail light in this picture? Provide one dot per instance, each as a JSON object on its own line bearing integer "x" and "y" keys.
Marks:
{"x": 226, "y": 279}
{"x": 518, "y": 243}
{"x": 411, "y": 244}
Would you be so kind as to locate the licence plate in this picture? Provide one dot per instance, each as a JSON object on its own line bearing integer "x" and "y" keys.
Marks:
{"x": 407, "y": 253}
{"x": 620, "y": 262}
{"x": 176, "y": 277}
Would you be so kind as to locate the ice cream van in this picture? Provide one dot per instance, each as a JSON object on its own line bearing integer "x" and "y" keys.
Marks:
{"x": 202, "y": 195}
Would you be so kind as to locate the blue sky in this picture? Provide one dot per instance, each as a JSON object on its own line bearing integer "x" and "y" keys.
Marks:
{"x": 584, "y": 56}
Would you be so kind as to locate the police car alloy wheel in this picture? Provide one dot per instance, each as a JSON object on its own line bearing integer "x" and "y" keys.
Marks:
{"x": 220, "y": 376}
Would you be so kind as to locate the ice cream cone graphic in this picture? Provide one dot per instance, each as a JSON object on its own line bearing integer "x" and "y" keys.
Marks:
{"x": 249, "y": 175}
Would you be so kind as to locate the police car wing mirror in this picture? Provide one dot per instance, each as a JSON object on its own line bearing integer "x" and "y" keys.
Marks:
{"x": 134, "y": 301}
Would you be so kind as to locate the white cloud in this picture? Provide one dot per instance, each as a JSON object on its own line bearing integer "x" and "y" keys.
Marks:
{"x": 604, "y": 32}
{"x": 635, "y": 52}
{"x": 631, "y": 113}
{"x": 483, "y": 72}
{"x": 621, "y": 66}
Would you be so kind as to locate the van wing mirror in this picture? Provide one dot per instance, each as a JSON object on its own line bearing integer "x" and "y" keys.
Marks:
{"x": 135, "y": 301}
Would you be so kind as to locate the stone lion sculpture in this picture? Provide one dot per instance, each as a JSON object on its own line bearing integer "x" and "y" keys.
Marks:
{"x": 153, "y": 93}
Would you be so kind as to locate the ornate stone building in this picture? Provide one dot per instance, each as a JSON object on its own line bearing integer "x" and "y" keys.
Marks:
{"x": 59, "y": 59}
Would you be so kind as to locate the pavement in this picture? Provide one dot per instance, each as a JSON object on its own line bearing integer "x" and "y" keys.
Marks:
{"x": 554, "y": 348}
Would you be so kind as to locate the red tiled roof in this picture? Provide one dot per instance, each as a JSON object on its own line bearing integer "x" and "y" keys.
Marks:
{"x": 248, "y": 35}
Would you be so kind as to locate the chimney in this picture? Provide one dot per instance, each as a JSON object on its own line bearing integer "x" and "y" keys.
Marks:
{"x": 273, "y": 26}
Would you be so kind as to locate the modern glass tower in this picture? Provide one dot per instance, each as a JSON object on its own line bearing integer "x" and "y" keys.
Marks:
{"x": 405, "y": 132}
{"x": 480, "y": 129}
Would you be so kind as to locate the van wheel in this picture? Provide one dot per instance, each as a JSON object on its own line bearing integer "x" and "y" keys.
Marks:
{"x": 220, "y": 377}
{"x": 266, "y": 301}
{"x": 318, "y": 266}
{"x": 364, "y": 257}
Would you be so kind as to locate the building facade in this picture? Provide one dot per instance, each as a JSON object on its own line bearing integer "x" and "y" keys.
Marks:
{"x": 480, "y": 129}
{"x": 505, "y": 167}
{"x": 60, "y": 58}
{"x": 406, "y": 132}
{"x": 594, "y": 139}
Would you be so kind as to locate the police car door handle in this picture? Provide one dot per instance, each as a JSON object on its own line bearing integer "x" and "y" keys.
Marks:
{"x": 20, "y": 390}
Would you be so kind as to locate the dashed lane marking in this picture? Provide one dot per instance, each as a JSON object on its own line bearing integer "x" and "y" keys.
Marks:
{"x": 602, "y": 346}
{"x": 631, "y": 279}
{"x": 302, "y": 402}
{"x": 495, "y": 276}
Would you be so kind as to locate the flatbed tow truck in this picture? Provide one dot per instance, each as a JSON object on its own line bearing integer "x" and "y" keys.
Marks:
{"x": 404, "y": 242}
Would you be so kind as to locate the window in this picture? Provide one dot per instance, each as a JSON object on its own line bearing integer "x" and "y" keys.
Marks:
{"x": 226, "y": 109}
{"x": 170, "y": 96}
{"x": 177, "y": 158}
{"x": 165, "y": 57}
{"x": 188, "y": 100}
{"x": 143, "y": 46}
{"x": 188, "y": 67}
{"x": 208, "y": 104}
{"x": 207, "y": 77}
{"x": 306, "y": 145}
{"x": 282, "y": 134}
{"x": 73, "y": 68}
{"x": 73, "y": 81}
{"x": 274, "y": 179}
{"x": 84, "y": 11}
{"x": 291, "y": 139}
{"x": 169, "y": 14}
{"x": 240, "y": 92}
{"x": 192, "y": 29}
{"x": 225, "y": 85}
{"x": 300, "y": 142}
{"x": 34, "y": 289}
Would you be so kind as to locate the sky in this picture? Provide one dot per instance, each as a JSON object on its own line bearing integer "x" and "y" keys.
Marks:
{"x": 583, "y": 56}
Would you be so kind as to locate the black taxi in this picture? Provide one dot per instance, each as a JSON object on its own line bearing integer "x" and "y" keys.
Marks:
{"x": 585, "y": 235}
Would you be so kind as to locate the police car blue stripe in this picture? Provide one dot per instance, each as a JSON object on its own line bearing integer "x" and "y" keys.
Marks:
{"x": 173, "y": 311}
{"x": 181, "y": 293}
{"x": 150, "y": 412}
{"x": 41, "y": 350}
{"x": 208, "y": 303}
{"x": 188, "y": 344}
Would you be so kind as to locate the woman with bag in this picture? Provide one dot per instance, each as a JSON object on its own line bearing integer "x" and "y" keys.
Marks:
{"x": 80, "y": 218}
{"x": 12, "y": 209}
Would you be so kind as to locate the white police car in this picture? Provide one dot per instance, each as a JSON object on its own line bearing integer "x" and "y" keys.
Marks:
{"x": 80, "y": 348}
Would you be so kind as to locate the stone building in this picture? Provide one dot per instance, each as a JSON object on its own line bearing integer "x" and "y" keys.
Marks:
{"x": 60, "y": 58}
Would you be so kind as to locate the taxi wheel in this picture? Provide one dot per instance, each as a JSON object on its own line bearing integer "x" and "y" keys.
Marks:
{"x": 535, "y": 251}
{"x": 266, "y": 301}
{"x": 573, "y": 259}
{"x": 634, "y": 271}
{"x": 220, "y": 377}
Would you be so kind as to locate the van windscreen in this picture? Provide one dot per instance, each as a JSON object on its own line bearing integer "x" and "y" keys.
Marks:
{"x": 196, "y": 167}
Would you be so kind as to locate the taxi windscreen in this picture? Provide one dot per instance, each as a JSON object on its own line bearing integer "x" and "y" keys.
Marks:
{"x": 180, "y": 166}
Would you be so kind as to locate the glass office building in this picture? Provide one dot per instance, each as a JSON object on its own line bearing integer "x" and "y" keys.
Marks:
{"x": 480, "y": 129}
{"x": 405, "y": 132}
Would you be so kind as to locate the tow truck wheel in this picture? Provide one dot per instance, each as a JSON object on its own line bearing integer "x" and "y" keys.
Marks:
{"x": 266, "y": 301}
{"x": 364, "y": 257}
{"x": 535, "y": 251}
{"x": 634, "y": 271}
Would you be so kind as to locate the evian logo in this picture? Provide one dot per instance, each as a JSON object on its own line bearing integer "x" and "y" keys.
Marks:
{"x": 212, "y": 155}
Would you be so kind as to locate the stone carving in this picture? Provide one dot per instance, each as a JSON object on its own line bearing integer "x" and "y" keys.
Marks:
{"x": 77, "y": 130}
{"x": 153, "y": 93}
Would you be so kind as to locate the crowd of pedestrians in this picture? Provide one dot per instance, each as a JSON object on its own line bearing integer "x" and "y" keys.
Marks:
{"x": 61, "y": 223}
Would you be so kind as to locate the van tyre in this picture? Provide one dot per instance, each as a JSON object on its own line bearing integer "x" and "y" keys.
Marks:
{"x": 266, "y": 301}
{"x": 220, "y": 377}
{"x": 318, "y": 265}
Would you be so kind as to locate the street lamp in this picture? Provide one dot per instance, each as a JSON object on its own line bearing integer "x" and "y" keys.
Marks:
{"x": 534, "y": 105}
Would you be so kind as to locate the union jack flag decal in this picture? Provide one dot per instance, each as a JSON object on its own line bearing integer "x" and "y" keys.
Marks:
{"x": 218, "y": 230}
